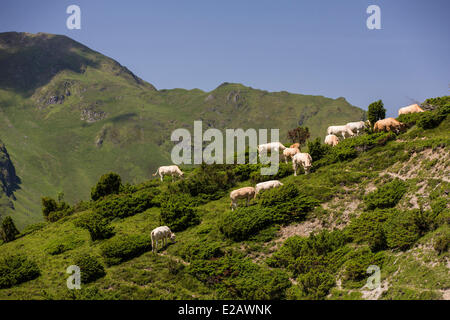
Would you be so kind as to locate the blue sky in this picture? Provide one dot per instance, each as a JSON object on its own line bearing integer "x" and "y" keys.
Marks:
{"x": 319, "y": 47}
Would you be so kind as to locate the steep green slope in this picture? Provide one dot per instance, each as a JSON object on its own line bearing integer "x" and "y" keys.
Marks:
{"x": 69, "y": 114}
{"x": 406, "y": 176}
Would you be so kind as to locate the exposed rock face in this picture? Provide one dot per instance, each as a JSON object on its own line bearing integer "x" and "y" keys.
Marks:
{"x": 91, "y": 115}
{"x": 56, "y": 100}
{"x": 9, "y": 181}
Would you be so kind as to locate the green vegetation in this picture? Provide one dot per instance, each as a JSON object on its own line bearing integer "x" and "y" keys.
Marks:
{"x": 387, "y": 196}
{"x": 110, "y": 120}
{"x": 123, "y": 248}
{"x": 313, "y": 238}
{"x": 375, "y": 112}
{"x": 8, "y": 230}
{"x": 16, "y": 269}
{"x": 91, "y": 269}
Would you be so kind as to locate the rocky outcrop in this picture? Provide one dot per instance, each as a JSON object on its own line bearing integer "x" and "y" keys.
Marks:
{"x": 90, "y": 115}
{"x": 9, "y": 181}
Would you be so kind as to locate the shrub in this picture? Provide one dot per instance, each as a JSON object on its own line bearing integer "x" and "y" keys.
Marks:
{"x": 368, "y": 228}
{"x": 401, "y": 230}
{"x": 300, "y": 254}
{"x": 236, "y": 277}
{"x": 123, "y": 248}
{"x": 442, "y": 242}
{"x": 207, "y": 182}
{"x": 97, "y": 226}
{"x": 244, "y": 222}
{"x": 411, "y": 118}
{"x": 53, "y": 211}
{"x": 287, "y": 203}
{"x": 201, "y": 249}
{"x": 109, "y": 183}
{"x": 376, "y": 111}
{"x": 317, "y": 150}
{"x": 387, "y": 196}
{"x": 315, "y": 285}
{"x": 8, "y": 230}
{"x": 431, "y": 119}
{"x": 355, "y": 268}
{"x": 16, "y": 269}
{"x": 126, "y": 205}
{"x": 178, "y": 213}
{"x": 91, "y": 269}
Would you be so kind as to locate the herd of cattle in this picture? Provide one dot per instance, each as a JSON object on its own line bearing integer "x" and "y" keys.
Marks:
{"x": 293, "y": 152}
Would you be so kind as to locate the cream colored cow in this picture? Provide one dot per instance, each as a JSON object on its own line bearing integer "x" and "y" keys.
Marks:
{"x": 331, "y": 140}
{"x": 288, "y": 153}
{"x": 169, "y": 170}
{"x": 242, "y": 193}
{"x": 410, "y": 109}
{"x": 267, "y": 185}
{"x": 162, "y": 234}
{"x": 303, "y": 159}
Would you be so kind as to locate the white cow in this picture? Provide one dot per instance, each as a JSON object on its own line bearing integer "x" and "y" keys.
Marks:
{"x": 342, "y": 130}
{"x": 272, "y": 146}
{"x": 410, "y": 109}
{"x": 303, "y": 159}
{"x": 161, "y": 234}
{"x": 288, "y": 153}
{"x": 242, "y": 193}
{"x": 169, "y": 170}
{"x": 357, "y": 127}
{"x": 267, "y": 185}
{"x": 331, "y": 140}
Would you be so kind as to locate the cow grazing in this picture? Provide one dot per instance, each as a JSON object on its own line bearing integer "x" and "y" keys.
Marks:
{"x": 288, "y": 153}
{"x": 161, "y": 234}
{"x": 410, "y": 109}
{"x": 340, "y": 130}
{"x": 295, "y": 145}
{"x": 303, "y": 159}
{"x": 331, "y": 140}
{"x": 169, "y": 170}
{"x": 389, "y": 124}
{"x": 272, "y": 146}
{"x": 242, "y": 193}
{"x": 267, "y": 185}
{"x": 357, "y": 127}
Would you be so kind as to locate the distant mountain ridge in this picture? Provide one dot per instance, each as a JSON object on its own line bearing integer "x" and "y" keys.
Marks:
{"x": 69, "y": 114}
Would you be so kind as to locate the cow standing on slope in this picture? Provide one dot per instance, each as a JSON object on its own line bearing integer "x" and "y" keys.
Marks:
{"x": 161, "y": 234}
{"x": 303, "y": 159}
{"x": 169, "y": 170}
{"x": 247, "y": 193}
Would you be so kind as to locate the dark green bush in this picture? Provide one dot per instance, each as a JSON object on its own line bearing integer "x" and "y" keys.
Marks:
{"x": 207, "y": 182}
{"x": 178, "y": 212}
{"x": 16, "y": 269}
{"x": 91, "y": 269}
{"x": 236, "y": 277}
{"x": 401, "y": 230}
{"x": 431, "y": 119}
{"x": 355, "y": 268}
{"x": 200, "y": 249}
{"x": 8, "y": 230}
{"x": 317, "y": 149}
{"x": 53, "y": 211}
{"x": 368, "y": 228}
{"x": 441, "y": 242}
{"x": 387, "y": 196}
{"x": 244, "y": 222}
{"x": 126, "y": 205}
{"x": 123, "y": 248}
{"x": 287, "y": 204}
{"x": 315, "y": 285}
{"x": 376, "y": 111}
{"x": 300, "y": 254}
{"x": 411, "y": 118}
{"x": 98, "y": 226}
{"x": 109, "y": 183}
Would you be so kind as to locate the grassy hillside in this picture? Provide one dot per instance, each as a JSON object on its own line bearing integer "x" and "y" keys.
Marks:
{"x": 69, "y": 114}
{"x": 377, "y": 199}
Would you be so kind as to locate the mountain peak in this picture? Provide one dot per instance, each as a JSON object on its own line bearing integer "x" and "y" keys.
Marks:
{"x": 29, "y": 61}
